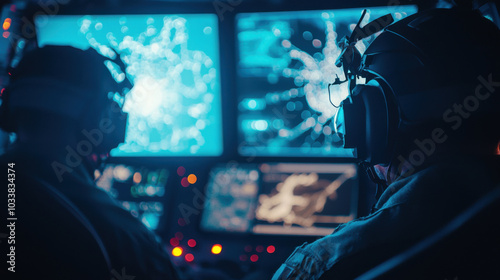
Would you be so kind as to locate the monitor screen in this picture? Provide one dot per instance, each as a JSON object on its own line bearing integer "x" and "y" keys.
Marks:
{"x": 174, "y": 107}
{"x": 140, "y": 190}
{"x": 286, "y": 60}
{"x": 280, "y": 198}
{"x": 231, "y": 198}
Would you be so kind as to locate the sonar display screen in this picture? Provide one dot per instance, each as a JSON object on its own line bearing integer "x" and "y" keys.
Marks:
{"x": 286, "y": 60}
{"x": 174, "y": 107}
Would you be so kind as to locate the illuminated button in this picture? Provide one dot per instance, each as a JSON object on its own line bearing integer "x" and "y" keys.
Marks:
{"x": 177, "y": 251}
{"x": 191, "y": 242}
{"x": 216, "y": 249}
{"x": 137, "y": 177}
{"x": 185, "y": 182}
{"x": 189, "y": 257}
{"x": 254, "y": 258}
{"x": 174, "y": 241}
{"x": 6, "y": 25}
{"x": 271, "y": 249}
{"x": 192, "y": 178}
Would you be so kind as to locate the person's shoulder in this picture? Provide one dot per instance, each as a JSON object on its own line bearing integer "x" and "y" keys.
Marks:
{"x": 117, "y": 226}
{"x": 455, "y": 181}
{"x": 461, "y": 173}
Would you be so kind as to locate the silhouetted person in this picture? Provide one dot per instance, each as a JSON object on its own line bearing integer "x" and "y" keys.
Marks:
{"x": 58, "y": 105}
{"x": 427, "y": 118}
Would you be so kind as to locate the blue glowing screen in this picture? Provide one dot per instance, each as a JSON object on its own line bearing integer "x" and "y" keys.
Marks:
{"x": 286, "y": 60}
{"x": 174, "y": 107}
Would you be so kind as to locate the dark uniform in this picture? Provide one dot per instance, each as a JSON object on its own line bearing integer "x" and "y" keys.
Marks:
{"x": 70, "y": 229}
{"x": 409, "y": 210}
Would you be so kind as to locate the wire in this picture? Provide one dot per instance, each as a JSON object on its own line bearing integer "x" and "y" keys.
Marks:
{"x": 336, "y": 82}
{"x": 330, "y": 97}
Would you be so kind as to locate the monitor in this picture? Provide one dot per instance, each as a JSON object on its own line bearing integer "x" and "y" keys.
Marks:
{"x": 231, "y": 197}
{"x": 139, "y": 190}
{"x": 280, "y": 198}
{"x": 286, "y": 60}
{"x": 174, "y": 107}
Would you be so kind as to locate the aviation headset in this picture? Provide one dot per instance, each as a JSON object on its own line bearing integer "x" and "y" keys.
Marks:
{"x": 415, "y": 70}
{"x": 70, "y": 83}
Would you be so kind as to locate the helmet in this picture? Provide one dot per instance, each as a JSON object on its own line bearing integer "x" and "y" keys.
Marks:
{"x": 417, "y": 71}
{"x": 69, "y": 83}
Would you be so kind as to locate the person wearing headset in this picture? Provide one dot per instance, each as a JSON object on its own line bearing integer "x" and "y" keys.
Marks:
{"x": 425, "y": 125}
{"x": 63, "y": 105}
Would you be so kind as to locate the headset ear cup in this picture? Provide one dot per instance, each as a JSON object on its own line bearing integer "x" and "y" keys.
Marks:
{"x": 355, "y": 122}
{"x": 393, "y": 119}
{"x": 370, "y": 123}
{"x": 376, "y": 124}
